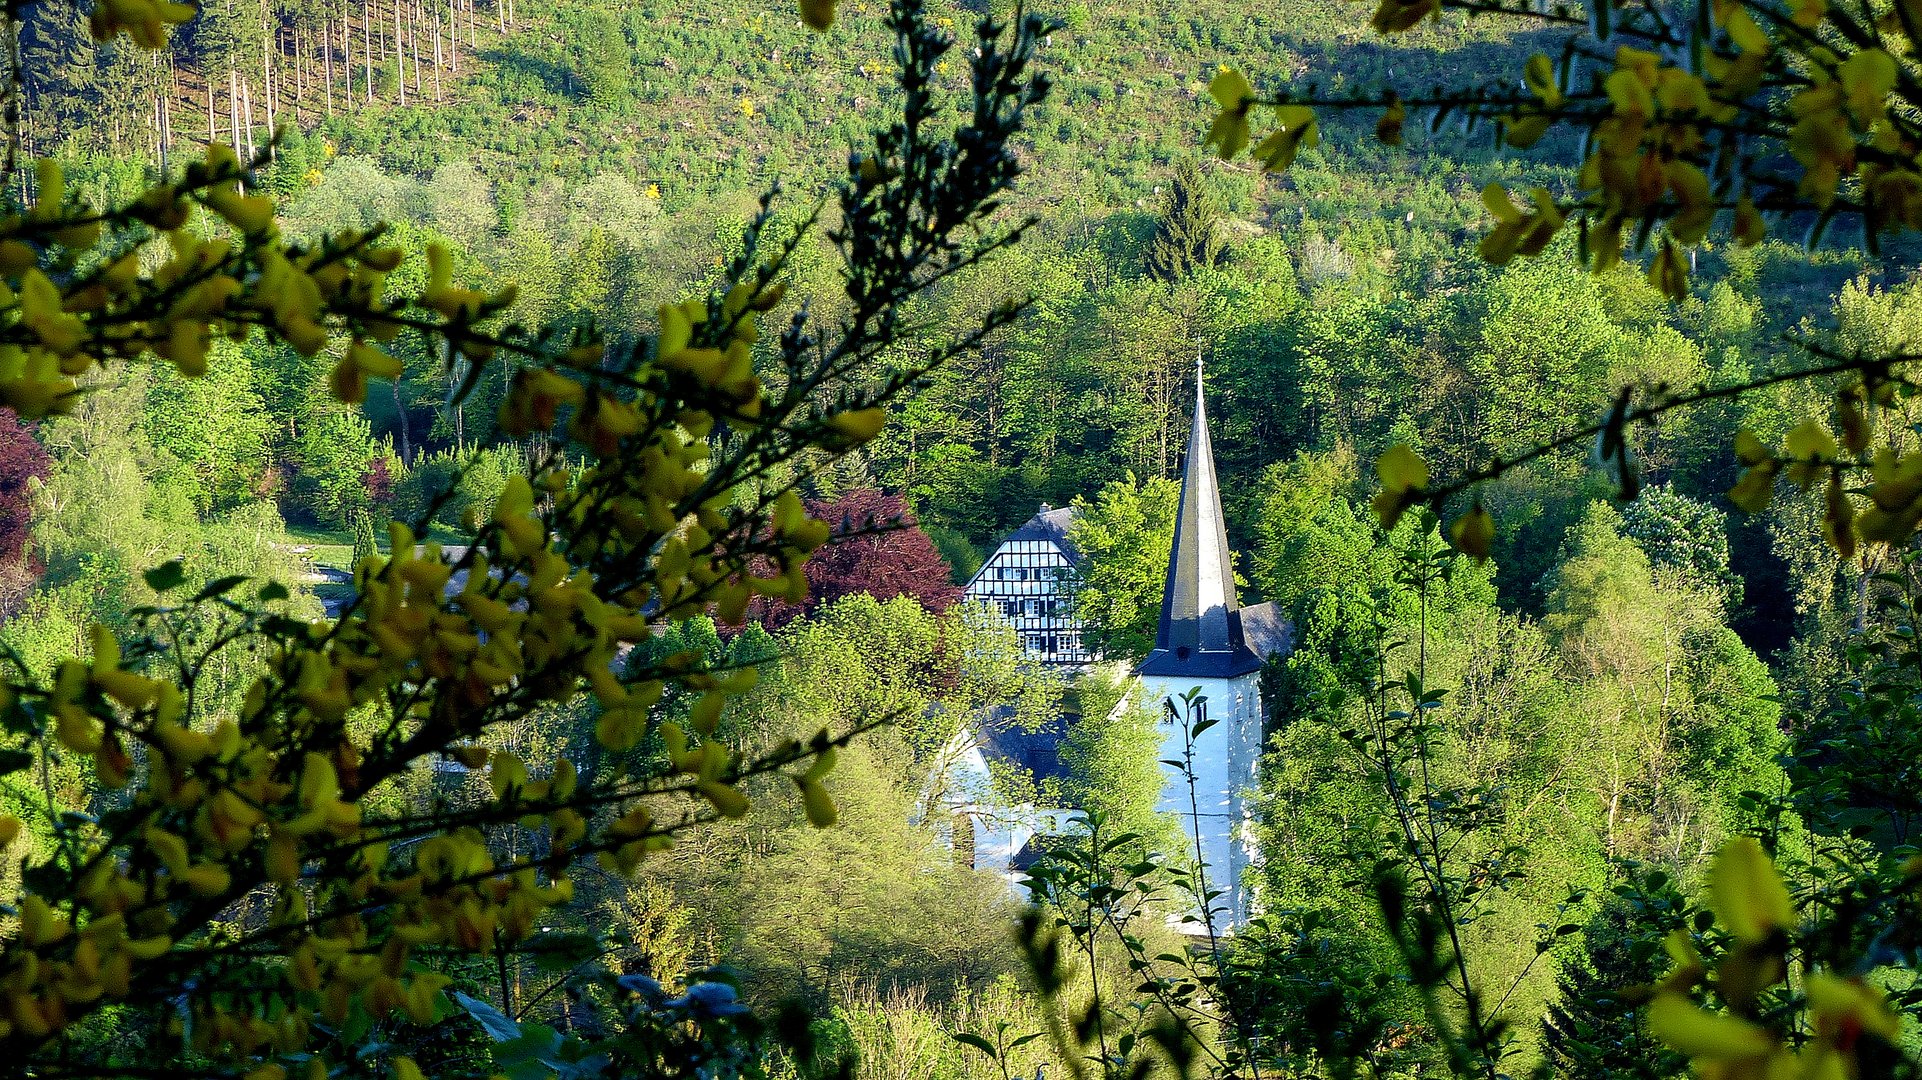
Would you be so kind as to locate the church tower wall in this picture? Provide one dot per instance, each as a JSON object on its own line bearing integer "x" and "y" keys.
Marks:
{"x": 1225, "y": 759}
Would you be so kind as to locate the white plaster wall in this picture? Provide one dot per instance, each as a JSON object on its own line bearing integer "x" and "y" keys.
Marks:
{"x": 1225, "y": 760}
{"x": 1001, "y": 829}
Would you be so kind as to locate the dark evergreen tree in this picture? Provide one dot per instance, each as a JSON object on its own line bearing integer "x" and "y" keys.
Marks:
{"x": 364, "y": 543}
{"x": 1188, "y": 232}
{"x": 1594, "y": 1029}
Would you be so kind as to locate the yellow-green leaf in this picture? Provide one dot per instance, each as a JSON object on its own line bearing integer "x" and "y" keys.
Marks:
{"x": 1703, "y": 1035}
{"x": 1747, "y": 894}
{"x": 1401, "y": 469}
{"x": 1474, "y": 532}
{"x": 1810, "y": 440}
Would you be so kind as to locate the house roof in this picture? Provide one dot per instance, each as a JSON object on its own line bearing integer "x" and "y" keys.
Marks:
{"x": 1049, "y": 524}
{"x": 1201, "y": 633}
{"x": 1267, "y": 631}
{"x": 1038, "y": 752}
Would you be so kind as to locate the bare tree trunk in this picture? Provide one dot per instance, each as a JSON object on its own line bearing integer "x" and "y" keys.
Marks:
{"x": 300, "y": 77}
{"x": 367, "y": 51}
{"x": 437, "y": 53}
{"x": 167, "y": 114}
{"x": 267, "y": 82}
{"x": 327, "y": 61}
{"x": 400, "y": 60}
{"x": 346, "y": 58}
{"x": 233, "y": 104}
{"x": 247, "y": 102}
{"x": 453, "y": 33}
{"x": 413, "y": 41}
{"x": 213, "y": 135}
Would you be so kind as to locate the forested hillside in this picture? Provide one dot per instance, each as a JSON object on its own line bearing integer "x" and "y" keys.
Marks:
{"x": 1593, "y": 712}
{"x": 594, "y": 155}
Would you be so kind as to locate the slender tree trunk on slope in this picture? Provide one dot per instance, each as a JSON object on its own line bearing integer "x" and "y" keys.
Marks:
{"x": 167, "y": 115}
{"x": 400, "y": 61}
{"x": 327, "y": 62}
{"x": 415, "y": 17}
{"x": 400, "y": 416}
{"x": 247, "y": 103}
{"x": 267, "y": 82}
{"x": 233, "y": 105}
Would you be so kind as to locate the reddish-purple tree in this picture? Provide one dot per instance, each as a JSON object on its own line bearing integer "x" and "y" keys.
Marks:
{"x": 379, "y": 482}
{"x": 876, "y": 548}
{"x": 22, "y": 460}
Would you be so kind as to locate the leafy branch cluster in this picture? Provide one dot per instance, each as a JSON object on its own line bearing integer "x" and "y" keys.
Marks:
{"x": 669, "y": 493}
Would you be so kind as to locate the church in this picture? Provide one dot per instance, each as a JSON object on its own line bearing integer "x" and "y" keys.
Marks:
{"x": 1206, "y": 643}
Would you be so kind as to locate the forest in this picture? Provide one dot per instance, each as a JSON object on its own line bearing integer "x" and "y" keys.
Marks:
{"x": 487, "y": 489}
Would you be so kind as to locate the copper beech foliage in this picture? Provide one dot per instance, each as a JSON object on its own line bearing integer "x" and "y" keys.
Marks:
{"x": 670, "y": 492}
{"x": 1756, "y": 114}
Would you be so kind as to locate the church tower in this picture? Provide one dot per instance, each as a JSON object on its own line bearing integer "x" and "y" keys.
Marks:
{"x": 1207, "y": 641}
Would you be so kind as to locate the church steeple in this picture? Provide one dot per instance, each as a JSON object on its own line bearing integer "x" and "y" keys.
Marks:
{"x": 1200, "y": 634}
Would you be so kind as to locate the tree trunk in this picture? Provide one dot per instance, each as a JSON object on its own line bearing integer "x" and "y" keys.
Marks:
{"x": 167, "y": 114}
{"x": 460, "y": 417}
{"x": 233, "y": 104}
{"x": 346, "y": 59}
{"x": 367, "y": 51}
{"x": 327, "y": 61}
{"x": 267, "y": 82}
{"x": 437, "y": 54}
{"x": 213, "y": 134}
{"x": 400, "y": 60}
{"x": 247, "y": 102}
{"x": 413, "y": 41}
{"x": 400, "y": 418}
{"x": 453, "y": 34}
{"x": 300, "y": 77}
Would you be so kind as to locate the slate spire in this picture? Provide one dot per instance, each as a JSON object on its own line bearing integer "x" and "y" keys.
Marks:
{"x": 1200, "y": 633}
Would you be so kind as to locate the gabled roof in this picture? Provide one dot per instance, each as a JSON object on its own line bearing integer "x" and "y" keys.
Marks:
{"x": 1051, "y": 525}
{"x": 1201, "y": 634}
{"x": 1037, "y": 752}
{"x": 1267, "y": 631}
